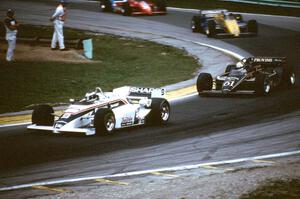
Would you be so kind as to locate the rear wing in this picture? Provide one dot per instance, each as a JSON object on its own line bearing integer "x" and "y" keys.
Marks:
{"x": 140, "y": 92}
{"x": 216, "y": 11}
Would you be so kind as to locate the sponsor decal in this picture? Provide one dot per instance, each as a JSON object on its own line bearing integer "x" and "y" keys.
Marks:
{"x": 141, "y": 90}
{"x": 126, "y": 121}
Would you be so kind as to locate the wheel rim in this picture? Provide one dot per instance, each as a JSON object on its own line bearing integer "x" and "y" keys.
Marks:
{"x": 292, "y": 78}
{"x": 193, "y": 25}
{"x": 207, "y": 31}
{"x": 109, "y": 122}
{"x": 267, "y": 86}
{"x": 165, "y": 112}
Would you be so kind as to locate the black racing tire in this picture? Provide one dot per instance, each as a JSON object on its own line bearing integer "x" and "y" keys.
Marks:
{"x": 160, "y": 112}
{"x": 161, "y": 5}
{"x": 127, "y": 9}
{"x": 105, "y": 6}
{"x": 42, "y": 115}
{"x": 252, "y": 27}
{"x": 229, "y": 68}
{"x": 211, "y": 25}
{"x": 204, "y": 82}
{"x": 196, "y": 24}
{"x": 262, "y": 85}
{"x": 104, "y": 121}
{"x": 289, "y": 76}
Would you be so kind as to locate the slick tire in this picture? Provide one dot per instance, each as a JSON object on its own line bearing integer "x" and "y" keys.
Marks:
{"x": 43, "y": 115}
{"x": 105, "y": 6}
{"x": 204, "y": 82}
{"x": 262, "y": 85}
{"x": 160, "y": 112}
{"x": 104, "y": 121}
{"x": 161, "y": 5}
{"x": 252, "y": 26}
{"x": 289, "y": 77}
{"x": 211, "y": 28}
{"x": 127, "y": 9}
{"x": 196, "y": 24}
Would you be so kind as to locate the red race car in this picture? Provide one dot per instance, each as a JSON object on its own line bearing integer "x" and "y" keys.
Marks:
{"x": 134, "y": 7}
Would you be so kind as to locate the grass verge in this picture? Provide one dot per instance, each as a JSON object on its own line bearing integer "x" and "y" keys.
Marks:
{"x": 289, "y": 189}
{"x": 235, "y": 7}
{"x": 120, "y": 61}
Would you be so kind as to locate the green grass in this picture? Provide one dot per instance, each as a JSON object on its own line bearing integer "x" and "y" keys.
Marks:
{"x": 120, "y": 62}
{"x": 235, "y": 7}
{"x": 280, "y": 189}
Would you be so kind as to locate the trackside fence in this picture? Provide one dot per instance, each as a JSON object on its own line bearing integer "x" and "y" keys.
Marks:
{"x": 275, "y": 3}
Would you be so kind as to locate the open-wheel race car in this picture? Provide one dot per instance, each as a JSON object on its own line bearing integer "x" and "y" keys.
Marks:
{"x": 103, "y": 112}
{"x": 134, "y": 7}
{"x": 254, "y": 75}
{"x": 221, "y": 22}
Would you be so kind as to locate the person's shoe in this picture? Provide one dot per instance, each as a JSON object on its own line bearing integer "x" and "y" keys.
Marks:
{"x": 54, "y": 48}
{"x": 64, "y": 49}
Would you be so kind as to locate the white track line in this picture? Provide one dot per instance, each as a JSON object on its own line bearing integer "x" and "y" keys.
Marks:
{"x": 143, "y": 172}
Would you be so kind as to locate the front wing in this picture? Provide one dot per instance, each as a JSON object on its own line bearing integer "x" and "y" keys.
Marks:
{"x": 86, "y": 131}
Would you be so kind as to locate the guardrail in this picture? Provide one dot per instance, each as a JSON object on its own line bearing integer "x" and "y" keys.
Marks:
{"x": 276, "y": 3}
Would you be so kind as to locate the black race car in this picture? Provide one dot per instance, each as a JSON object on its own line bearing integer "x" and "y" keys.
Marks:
{"x": 221, "y": 22}
{"x": 254, "y": 75}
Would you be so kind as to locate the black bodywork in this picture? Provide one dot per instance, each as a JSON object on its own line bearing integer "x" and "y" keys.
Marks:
{"x": 257, "y": 75}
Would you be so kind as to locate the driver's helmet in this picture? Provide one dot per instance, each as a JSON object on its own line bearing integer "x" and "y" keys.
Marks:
{"x": 240, "y": 64}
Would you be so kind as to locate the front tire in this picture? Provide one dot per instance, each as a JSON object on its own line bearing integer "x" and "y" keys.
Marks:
{"x": 196, "y": 24}
{"x": 160, "y": 111}
{"x": 289, "y": 77}
{"x": 252, "y": 26}
{"x": 104, "y": 121}
{"x": 43, "y": 115}
{"x": 105, "y": 6}
{"x": 204, "y": 82}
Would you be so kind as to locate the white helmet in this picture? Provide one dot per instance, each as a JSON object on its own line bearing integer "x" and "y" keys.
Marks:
{"x": 240, "y": 64}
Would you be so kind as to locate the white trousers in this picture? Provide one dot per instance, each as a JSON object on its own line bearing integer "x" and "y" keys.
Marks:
{"x": 11, "y": 47}
{"x": 58, "y": 35}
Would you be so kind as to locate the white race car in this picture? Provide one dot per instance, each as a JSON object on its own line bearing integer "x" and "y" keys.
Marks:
{"x": 103, "y": 112}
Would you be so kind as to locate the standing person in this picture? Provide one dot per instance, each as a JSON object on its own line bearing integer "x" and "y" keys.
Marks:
{"x": 58, "y": 19}
{"x": 11, "y": 26}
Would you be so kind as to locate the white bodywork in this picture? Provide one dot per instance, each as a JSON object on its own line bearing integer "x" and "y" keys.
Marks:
{"x": 130, "y": 106}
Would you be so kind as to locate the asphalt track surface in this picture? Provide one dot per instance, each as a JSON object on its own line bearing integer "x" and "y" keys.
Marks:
{"x": 201, "y": 129}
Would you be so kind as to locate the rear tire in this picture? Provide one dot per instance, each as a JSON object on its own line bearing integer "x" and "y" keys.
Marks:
{"x": 196, "y": 24}
{"x": 211, "y": 31}
{"x": 43, "y": 115}
{"x": 289, "y": 77}
{"x": 104, "y": 121}
{"x": 127, "y": 9}
{"x": 204, "y": 82}
{"x": 252, "y": 26}
{"x": 160, "y": 111}
{"x": 161, "y": 5}
{"x": 262, "y": 85}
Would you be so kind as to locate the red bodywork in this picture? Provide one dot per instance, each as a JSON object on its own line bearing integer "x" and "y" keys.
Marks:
{"x": 140, "y": 7}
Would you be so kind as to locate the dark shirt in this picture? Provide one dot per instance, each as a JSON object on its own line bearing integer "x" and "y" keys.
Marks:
{"x": 8, "y": 22}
